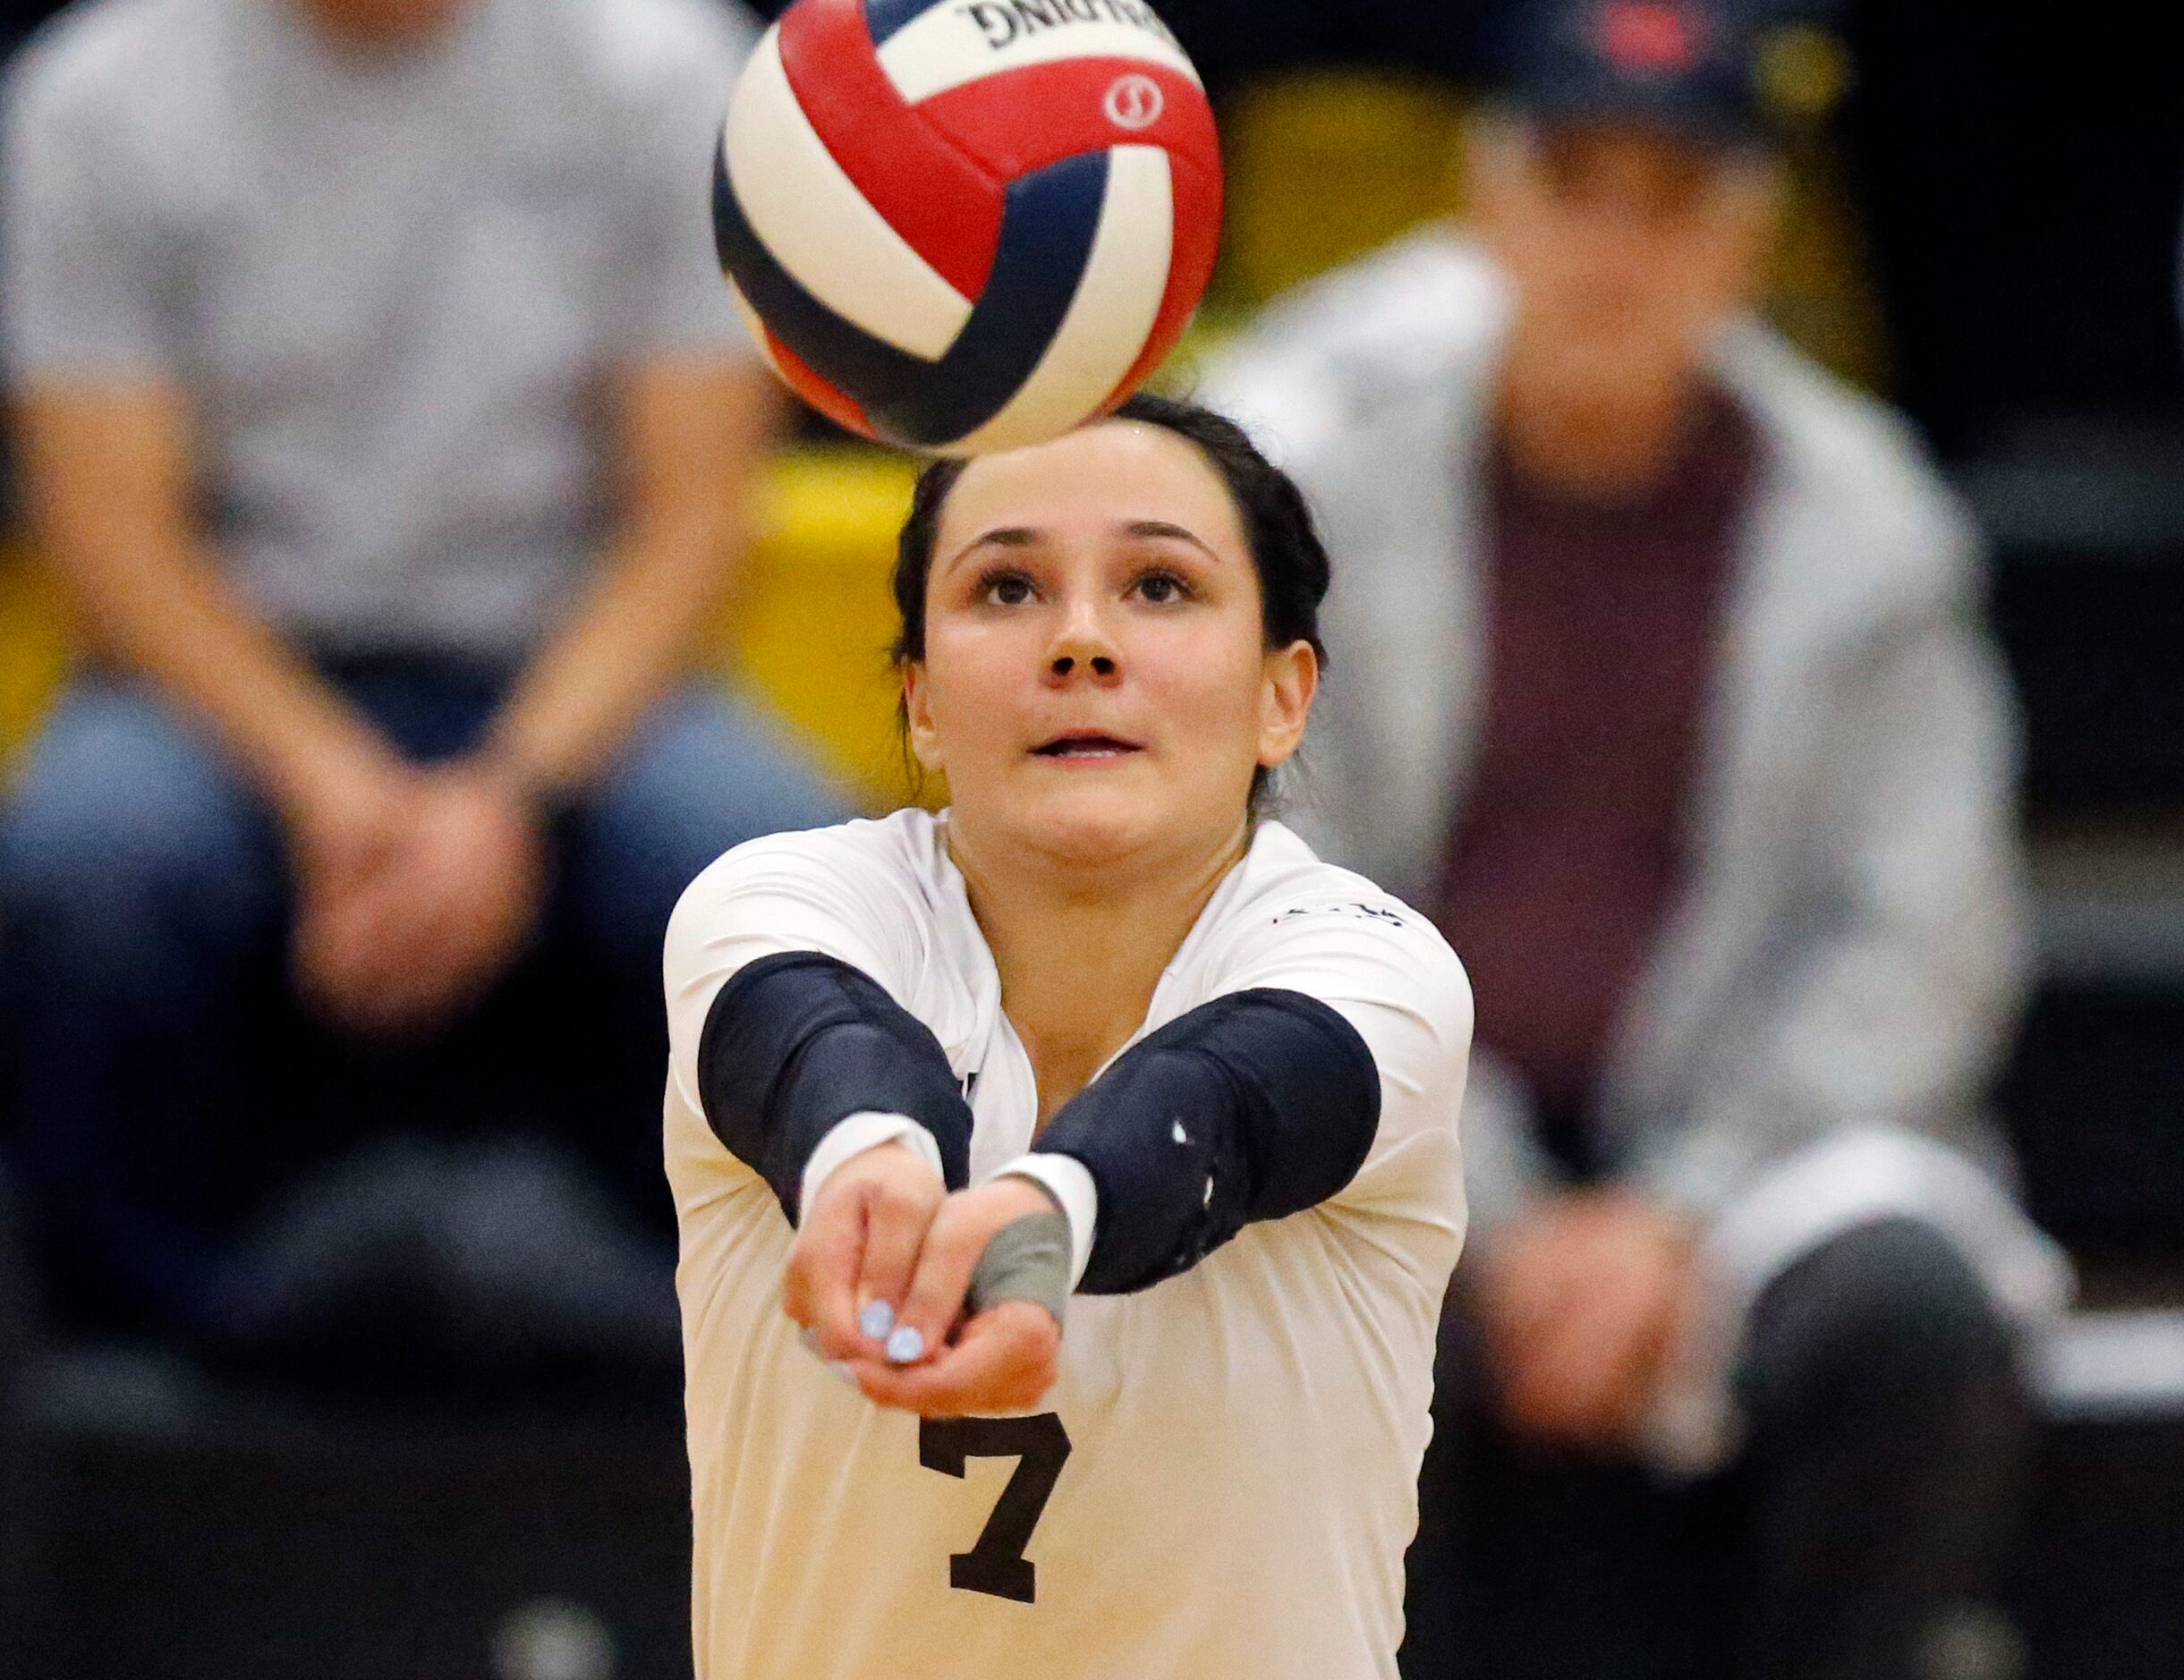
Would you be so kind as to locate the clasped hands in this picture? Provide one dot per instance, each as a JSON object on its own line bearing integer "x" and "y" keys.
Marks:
{"x": 416, "y": 887}
{"x": 884, "y": 1229}
{"x": 1579, "y": 1301}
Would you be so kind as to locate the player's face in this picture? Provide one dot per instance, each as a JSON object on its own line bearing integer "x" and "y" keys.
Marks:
{"x": 1096, "y": 684}
{"x": 1626, "y": 247}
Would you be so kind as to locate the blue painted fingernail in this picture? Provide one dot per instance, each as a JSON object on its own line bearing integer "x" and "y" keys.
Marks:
{"x": 877, "y": 1319}
{"x": 905, "y": 1346}
{"x": 810, "y": 1338}
{"x": 841, "y": 1368}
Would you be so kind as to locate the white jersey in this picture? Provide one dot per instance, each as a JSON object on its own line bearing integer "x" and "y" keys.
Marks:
{"x": 1223, "y": 1480}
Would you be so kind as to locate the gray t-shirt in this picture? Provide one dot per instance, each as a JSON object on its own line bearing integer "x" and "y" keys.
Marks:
{"x": 392, "y": 288}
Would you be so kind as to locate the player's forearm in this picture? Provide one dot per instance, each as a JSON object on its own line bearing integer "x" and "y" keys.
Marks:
{"x": 154, "y": 604}
{"x": 625, "y": 646}
{"x": 696, "y": 435}
{"x": 106, "y": 476}
{"x": 1256, "y": 1106}
{"x": 798, "y": 1043}
{"x": 170, "y": 617}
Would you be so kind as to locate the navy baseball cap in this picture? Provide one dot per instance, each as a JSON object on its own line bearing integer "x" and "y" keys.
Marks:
{"x": 1691, "y": 66}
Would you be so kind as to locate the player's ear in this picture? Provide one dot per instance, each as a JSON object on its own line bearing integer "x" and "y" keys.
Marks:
{"x": 1290, "y": 679}
{"x": 918, "y": 718}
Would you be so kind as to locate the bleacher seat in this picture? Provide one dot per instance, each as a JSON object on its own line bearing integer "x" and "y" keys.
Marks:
{"x": 2088, "y": 538}
{"x": 2096, "y": 1580}
{"x": 189, "y": 1532}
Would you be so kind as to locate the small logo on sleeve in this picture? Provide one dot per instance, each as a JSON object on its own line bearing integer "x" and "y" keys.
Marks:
{"x": 1357, "y": 912}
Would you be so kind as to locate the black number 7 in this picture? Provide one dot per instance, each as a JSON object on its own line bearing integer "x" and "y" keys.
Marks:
{"x": 997, "y": 1564}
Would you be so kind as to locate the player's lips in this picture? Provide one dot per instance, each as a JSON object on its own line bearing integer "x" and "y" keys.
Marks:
{"x": 1088, "y": 745}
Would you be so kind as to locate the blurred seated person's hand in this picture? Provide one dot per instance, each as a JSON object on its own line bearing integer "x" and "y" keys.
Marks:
{"x": 1579, "y": 1297}
{"x": 416, "y": 889}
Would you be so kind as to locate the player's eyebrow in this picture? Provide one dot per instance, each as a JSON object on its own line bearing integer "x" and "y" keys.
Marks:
{"x": 1029, "y": 536}
{"x": 1163, "y": 529}
{"x": 1001, "y": 536}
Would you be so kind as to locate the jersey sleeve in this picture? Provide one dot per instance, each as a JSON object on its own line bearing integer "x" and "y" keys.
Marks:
{"x": 87, "y": 283}
{"x": 1324, "y": 1069}
{"x": 786, "y": 895}
{"x": 1388, "y": 972}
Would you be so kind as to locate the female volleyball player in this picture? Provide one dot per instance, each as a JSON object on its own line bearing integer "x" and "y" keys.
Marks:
{"x": 1099, "y": 1046}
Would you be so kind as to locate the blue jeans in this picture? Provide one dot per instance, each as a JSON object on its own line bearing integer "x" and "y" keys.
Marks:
{"x": 166, "y": 1082}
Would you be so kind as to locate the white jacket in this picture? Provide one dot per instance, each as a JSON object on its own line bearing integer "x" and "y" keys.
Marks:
{"x": 1849, "y": 950}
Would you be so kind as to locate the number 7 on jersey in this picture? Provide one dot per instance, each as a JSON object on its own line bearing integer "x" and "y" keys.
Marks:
{"x": 997, "y": 1564}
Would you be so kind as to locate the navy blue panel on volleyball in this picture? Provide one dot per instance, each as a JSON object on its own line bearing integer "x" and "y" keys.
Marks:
{"x": 838, "y": 350}
{"x": 883, "y": 18}
{"x": 1047, "y": 233}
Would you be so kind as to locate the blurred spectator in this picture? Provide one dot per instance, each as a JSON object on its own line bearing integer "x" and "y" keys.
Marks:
{"x": 378, "y": 398}
{"x": 1657, "y": 669}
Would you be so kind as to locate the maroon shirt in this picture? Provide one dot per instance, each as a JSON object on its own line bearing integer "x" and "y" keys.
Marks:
{"x": 1602, "y": 623}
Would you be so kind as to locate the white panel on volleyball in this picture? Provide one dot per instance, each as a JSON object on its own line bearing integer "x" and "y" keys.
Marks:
{"x": 951, "y": 45}
{"x": 810, "y": 214}
{"x": 1111, "y": 316}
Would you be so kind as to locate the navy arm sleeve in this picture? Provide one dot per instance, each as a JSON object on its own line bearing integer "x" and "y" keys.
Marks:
{"x": 1255, "y": 1105}
{"x": 796, "y": 1042}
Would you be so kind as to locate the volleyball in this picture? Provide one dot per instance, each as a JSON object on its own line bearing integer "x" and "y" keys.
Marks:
{"x": 963, "y": 225}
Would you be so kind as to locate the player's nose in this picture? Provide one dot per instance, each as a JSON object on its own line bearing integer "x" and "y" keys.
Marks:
{"x": 1083, "y": 645}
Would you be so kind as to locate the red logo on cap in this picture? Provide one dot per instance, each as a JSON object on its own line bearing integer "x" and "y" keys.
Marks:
{"x": 1640, "y": 37}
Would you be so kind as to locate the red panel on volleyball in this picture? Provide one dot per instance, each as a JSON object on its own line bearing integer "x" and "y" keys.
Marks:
{"x": 1071, "y": 99}
{"x": 939, "y": 199}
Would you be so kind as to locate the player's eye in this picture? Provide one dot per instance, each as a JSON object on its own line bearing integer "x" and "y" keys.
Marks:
{"x": 1161, "y": 587}
{"x": 1004, "y": 588}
